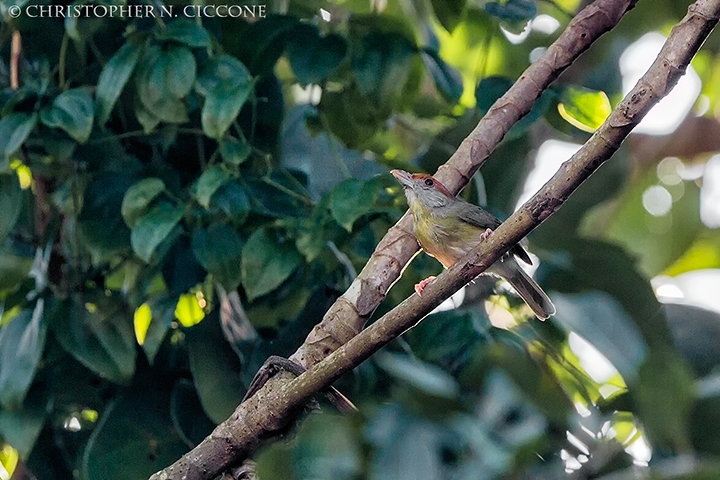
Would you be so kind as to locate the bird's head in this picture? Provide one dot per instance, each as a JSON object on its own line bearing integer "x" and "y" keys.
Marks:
{"x": 423, "y": 190}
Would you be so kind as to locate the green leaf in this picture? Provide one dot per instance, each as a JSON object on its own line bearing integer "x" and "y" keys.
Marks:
{"x": 134, "y": 437}
{"x": 423, "y": 376}
{"x": 187, "y": 413}
{"x": 266, "y": 263}
{"x": 584, "y": 108}
{"x": 162, "y": 311}
{"x": 160, "y": 77}
{"x": 208, "y": 183}
{"x": 616, "y": 336}
{"x": 22, "y": 342}
{"x": 661, "y": 239}
{"x": 233, "y": 201}
{"x": 329, "y": 448}
{"x": 16, "y": 260}
{"x": 100, "y": 219}
{"x": 98, "y": 333}
{"x": 138, "y": 198}
{"x": 312, "y": 57}
{"x": 185, "y": 31}
{"x": 381, "y": 64}
{"x": 234, "y": 152}
{"x": 490, "y": 89}
{"x": 180, "y": 71}
{"x": 448, "y": 12}
{"x": 73, "y": 112}
{"x": 21, "y": 428}
{"x": 215, "y": 368}
{"x": 11, "y": 197}
{"x": 664, "y": 397}
{"x": 447, "y": 80}
{"x": 262, "y": 43}
{"x": 14, "y": 130}
{"x": 113, "y": 78}
{"x": 512, "y": 10}
{"x": 153, "y": 228}
{"x": 219, "y": 249}
{"x": 226, "y": 85}
{"x": 351, "y": 200}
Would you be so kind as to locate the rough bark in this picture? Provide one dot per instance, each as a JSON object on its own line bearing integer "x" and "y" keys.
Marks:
{"x": 275, "y": 404}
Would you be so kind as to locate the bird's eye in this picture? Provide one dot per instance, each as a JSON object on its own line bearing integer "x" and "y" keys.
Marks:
{"x": 429, "y": 182}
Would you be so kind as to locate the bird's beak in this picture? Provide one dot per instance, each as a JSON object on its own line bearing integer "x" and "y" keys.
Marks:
{"x": 403, "y": 177}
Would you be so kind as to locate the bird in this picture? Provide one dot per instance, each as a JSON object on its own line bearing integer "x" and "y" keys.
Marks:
{"x": 447, "y": 228}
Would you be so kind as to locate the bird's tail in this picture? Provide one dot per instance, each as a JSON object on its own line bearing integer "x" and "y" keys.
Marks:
{"x": 525, "y": 286}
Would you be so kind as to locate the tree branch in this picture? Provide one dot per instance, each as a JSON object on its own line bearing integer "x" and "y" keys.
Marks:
{"x": 276, "y": 403}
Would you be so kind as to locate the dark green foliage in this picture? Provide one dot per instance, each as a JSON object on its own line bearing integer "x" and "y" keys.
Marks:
{"x": 173, "y": 210}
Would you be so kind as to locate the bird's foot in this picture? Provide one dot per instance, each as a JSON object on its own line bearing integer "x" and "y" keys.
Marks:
{"x": 484, "y": 236}
{"x": 419, "y": 287}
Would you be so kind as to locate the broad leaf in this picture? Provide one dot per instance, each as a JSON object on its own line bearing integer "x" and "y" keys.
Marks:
{"x": 447, "y": 80}
{"x": 215, "y": 368}
{"x": 185, "y": 31}
{"x": 350, "y": 200}
{"x": 234, "y": 152}
{"x": 180, "y": 71}
{"x": 512, "y": 10}
{"x": 597, "y": 317}
{"x": 113, "y": 78}
{"x": 134, "y": 438}
{"x": 219, "y": 249}
{"x": 138, "y": 198}
{"x": 381, "y": 64}
{"x": 448, "y": 12}
{"x": 14, "y": 130}
{"x": 209, "y": 182}
{"x": 266, "y": 263}
{"x": 312, "y": 57}
{"x": 584, "y": 108}
{"x": 160, "y": 78}
{"x": 73, "y": 112}
{"x": 10, "y": 203}
{"x": 226, "y": 85}
{"x": 233, "y": 201}
{"x": 22, "y": 342}
{"x": 153, "y": 228}
{"x": 100, "y": 219}
{"x": 98, "y": 333}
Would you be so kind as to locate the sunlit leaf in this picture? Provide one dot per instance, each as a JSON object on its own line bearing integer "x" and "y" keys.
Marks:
{"x": 584, "y": 108}
{"x": 188, "y": 310}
